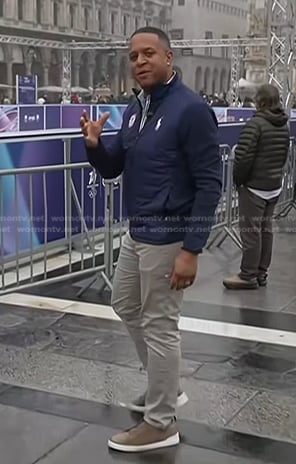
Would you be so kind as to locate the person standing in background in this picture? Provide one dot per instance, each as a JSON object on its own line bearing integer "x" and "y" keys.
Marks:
{"x": 260, "y": 157}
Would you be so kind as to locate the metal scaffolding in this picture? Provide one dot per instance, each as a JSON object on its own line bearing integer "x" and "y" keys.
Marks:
{"x": 31, "y": 42}
{"x": 67, "y": 75}
{"x": 281, "y": 33}
{"x": 281, "y": 37}
{"x": 237, "y": 45}
{"x": 189, "y": 43}
{"x": 123, "y": 44}
{"x": 235, "y": 74}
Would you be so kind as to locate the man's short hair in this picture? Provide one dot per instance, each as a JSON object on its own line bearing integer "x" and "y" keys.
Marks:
{"x": 268, "y": 97}
{"x": 154, "y": 30}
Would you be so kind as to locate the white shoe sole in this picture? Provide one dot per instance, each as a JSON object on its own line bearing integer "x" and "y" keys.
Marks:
{"x": 181, "y": 401}
{"x": 174, "y": 440}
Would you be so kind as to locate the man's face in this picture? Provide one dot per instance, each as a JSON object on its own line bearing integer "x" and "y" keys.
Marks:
{"x": 150, "y": 59}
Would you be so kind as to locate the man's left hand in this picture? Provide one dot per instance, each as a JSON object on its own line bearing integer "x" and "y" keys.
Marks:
{"x": 184, "y": 271}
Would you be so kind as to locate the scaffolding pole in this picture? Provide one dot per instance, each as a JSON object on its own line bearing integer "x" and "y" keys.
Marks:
{"x": 123, "y": 44}
{"x": 281, "y": 36}
{"x": 67, "y": 75}
{"x": 235, "y": 74}
{"x": 281, "y": 32}
{"x": 177, "y": 44}
{"x": 235, "y": 44}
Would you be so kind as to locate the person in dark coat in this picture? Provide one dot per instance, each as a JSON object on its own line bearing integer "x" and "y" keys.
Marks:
{"x": 260, "y": 157}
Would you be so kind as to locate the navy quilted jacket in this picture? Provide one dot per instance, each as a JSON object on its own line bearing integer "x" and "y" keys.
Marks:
{"x": 171, "y": 167}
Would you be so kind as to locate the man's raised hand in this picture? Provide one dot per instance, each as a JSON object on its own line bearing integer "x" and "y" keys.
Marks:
{"x": 92, "y": 129}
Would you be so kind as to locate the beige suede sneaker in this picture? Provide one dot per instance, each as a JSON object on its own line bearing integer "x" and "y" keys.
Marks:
{"x": 236, "y": 283}
{"x": 144, "y": 437}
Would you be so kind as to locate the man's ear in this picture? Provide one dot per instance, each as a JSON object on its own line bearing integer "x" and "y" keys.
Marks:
{"x": 170, "y": 57}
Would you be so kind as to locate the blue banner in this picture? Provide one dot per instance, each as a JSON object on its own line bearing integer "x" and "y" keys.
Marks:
{"x": 42, "y": 153}
{"x": 239, "y": 114}
{"x": 9, "y": 119}
{"x": 31, "y": 118}
{"x": 26, "y": 90}
{"x": 20, "y": 118}
{"x": 53, "y": 117}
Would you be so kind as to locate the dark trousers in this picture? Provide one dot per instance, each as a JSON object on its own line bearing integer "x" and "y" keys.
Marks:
{"x": 255, "y": 225}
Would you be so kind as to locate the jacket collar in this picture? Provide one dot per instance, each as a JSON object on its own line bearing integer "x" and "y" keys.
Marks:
{"x": 158, "y": 93}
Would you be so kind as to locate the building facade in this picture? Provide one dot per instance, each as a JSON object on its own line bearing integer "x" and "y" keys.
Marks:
{"x": 77, "y": 20}
{"x": 208, "y": 69}
{"x": 255, "y": 57}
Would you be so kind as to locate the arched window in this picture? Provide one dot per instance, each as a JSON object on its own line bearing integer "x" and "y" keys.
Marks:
{"x": 20, "y": 10}
{"x": 1, "y": 8}
{"x": 55, "y": 13}
{"x": 72, "y": 16}
{"x": 39, "y": 11}
{"x": 86, "y": 18}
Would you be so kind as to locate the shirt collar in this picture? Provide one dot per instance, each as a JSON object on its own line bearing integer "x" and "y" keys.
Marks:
{"x": 143, "y": 99}
{"x": 170, "y": 80}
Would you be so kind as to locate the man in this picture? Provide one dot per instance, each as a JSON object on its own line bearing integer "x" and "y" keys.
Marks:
{"x": 260, "y": 157}
{"x": 168, "y": 152}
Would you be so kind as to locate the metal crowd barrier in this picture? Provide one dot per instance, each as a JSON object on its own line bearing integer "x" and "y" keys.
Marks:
{"x": 227, "y": 210}
{"x": 106, "y": 272}
{"x": 79, "y": 252}
{"x": 287, "y": 200}
{"x": 221, "y": 212}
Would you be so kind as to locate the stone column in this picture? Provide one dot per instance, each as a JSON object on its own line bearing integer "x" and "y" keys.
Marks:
{"x": 65, "y": 11}
{"x": 9, "y": 75}
{"x": 46, "y": 62}
{"x": 130, "y": 84}
{"x": 28, "y": 63}
{"x": 91, "y": 70}
{"x": 104, "y": 67}
{"x": 75, "y": 78}
{"x": 113, "y": 70}
{"x": 11, "y": 9}
{"x": 7, "y": 50}
{"x": 47, "y": 12}
{"x": 45, "y": 76}
{"x": 76, "y": 70}
{"x": 79, "y": 22}
{"x": 94, "y": 16}
{"x": 105, "y": 17}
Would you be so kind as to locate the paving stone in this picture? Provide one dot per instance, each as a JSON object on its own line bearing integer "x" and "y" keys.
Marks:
{"x": 13, "y": 318}
{"x": 26, "y": 436}
{"x": 291, "y": 307}
{"x": 111, "y": 384}
{"x": 4, "y": 387}
{"x": 268, "y": 414}
{"x": 26, "y": 327}
{"x": 89, "y": 446}
{"x": 231, "y": 374}
{"x": 219, "y": 445}
{"x": 213, "y": 404}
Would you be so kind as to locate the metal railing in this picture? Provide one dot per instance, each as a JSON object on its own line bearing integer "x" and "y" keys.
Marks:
{"x": 286, "y": 202}
{"x": 41, "y": 246}
{"x": 26, "y": 250}
{"x": 221, "y": 212}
